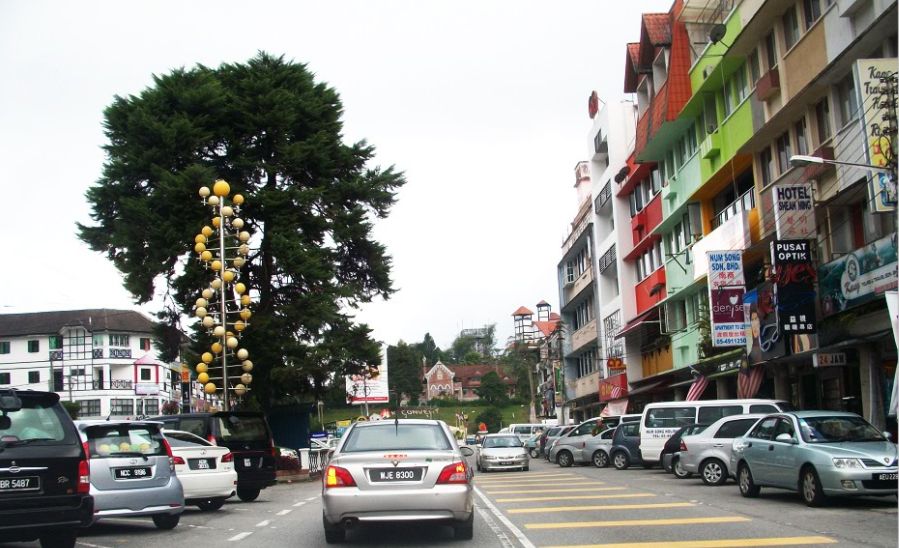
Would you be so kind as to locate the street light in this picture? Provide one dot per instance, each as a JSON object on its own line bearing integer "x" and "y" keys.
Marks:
{"x": 800, "y": 160}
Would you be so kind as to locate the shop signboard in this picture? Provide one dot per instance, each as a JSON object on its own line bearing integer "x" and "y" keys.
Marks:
{"x": 613, "y": 388}
{"x": 877, "y": 87}
{"x": 766, "y": 341}
{"x": 726, "y": 289}
{"x": 369, "y": 385}
{"x": 829, "y": 359}
{"x": 794, "y": 211}
{"x": 794, "y": 282}
{"x": 732, "y": 234}
{"x": 858, "y": 277}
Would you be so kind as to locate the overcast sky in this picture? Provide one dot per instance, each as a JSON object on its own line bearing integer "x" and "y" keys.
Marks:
{"x": 483, "y": 105}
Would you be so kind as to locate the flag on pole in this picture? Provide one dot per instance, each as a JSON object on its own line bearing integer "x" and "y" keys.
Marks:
{"x": 697, "y": 388}
{"x": 749, "y": 381}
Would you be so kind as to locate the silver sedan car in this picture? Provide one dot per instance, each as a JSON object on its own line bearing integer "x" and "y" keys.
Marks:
{"x": 405, "y": 470}
{"x": 502, "y": 452}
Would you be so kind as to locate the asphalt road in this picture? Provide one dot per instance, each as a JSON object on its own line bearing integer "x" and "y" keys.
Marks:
{"x": 547, "y": 506}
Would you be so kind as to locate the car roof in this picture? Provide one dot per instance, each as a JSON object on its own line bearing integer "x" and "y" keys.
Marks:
{"x": 84, "y": 423}
{"x": 501, "y": 435}
{"x": 817, "y": 413}
{"x": 367, "y": 424}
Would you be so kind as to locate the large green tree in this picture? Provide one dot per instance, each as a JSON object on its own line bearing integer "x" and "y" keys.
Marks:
{"x": 274, "y": 133}
{"x": 405, "y": 371}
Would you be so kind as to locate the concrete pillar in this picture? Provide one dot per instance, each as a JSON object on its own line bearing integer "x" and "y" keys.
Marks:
{"x": 723, "y": 389}
{"x": 872, "y": 393}
{"x": 680, "y": 394}
{"x": 782, "y": 384}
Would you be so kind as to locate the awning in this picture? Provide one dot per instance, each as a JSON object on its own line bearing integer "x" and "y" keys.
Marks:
{"x": 649, "y": 315}
{"x": 645, "y": 389}
{"x": 681, "y": 383}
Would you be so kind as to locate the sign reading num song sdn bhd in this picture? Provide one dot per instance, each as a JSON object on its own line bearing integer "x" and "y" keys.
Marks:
{"x": 727, "y": 285}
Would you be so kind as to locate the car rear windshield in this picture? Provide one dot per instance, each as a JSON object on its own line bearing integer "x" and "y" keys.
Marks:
{"x": 407, "y": 437}
{"x": 501, "y": 441}
{"x": 124, "y": 440}
{"x": 242, "y": 428}
{"x": 184, "y": 439}
{"x": 36, "y": 423}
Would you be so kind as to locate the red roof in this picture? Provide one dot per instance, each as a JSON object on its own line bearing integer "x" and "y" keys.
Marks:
{"x": 547, "y": 328}
{"x": 522, "y": 311}
{"x": 543, "y": 303}
{"x": 554, "y": 316}
{"x": 658, "y": 28}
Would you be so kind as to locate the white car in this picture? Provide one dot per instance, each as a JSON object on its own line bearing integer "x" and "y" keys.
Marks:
{"x": 206, "y": 470}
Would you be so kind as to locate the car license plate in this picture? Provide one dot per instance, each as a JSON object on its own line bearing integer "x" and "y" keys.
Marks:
{"x": 887, "y": 476}
{"x": 29, "y": 483}
{"x": 201, "y": 464}
{"x": 247, "y": 463}
{"x": 505, "y": 463}
{"x": 395, "y": 474}
{"x": 141, "y": 472}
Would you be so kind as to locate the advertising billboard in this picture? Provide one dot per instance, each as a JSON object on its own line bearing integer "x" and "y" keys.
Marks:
{"x": 726, "y": 289}
{"x": 370, "y": 385}
{"x": 794, "y": 283}
{"x": 794, "y": 211}
{"x": 877, "y": 86}
{"x": 858, "y": 277}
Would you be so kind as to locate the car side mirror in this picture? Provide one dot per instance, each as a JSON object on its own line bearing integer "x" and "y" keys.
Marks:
{"x": 10, "y": 402}
{"x": 466, "y": 451}
{"x": 786, "y": 438}
{"x": 5, "y": 422}
{"x": 888, "y": 435}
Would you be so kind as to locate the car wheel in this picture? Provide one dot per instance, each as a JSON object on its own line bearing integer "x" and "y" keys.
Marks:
{"x": 667, "y": 467}
{"x": 810, "y": 487}
{"x": 620, "y": 460}
{"x": 333, "y": 533}
{"x": 211, "y": 505}
{"x": 59, "y": 539}
{"x": 534, "y": 452}
{"x": 166, "y": 521}
{"x": 247, "y": 494}
{"x": 600, "y": 459}
{"x": 713, "y": 472}
{"x": 748, "y": 488}
{"x": 465, "y": 529}
{"x": 679, "y": 471}
{"x": 565, "y": 459}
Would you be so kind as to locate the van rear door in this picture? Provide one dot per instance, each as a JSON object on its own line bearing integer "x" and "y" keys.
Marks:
{"x": 249, "y": 438}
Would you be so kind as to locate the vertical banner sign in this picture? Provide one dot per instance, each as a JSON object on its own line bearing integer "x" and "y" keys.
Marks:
{"x": 369, "y": 386}
{"x": 185, "y": 389}
{"x": 877, "y": 84}
{"x": 726, "y": 289}
{"x": 794, "y": 212}
{"x": 794, "y": 282}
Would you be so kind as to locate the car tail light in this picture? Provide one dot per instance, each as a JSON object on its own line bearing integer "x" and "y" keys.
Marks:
{"x": 453, "y": 473}
{"x": 84, "y": 477}
{"x": 228, "y": 457}
{"x": 177, "y": 460}
{"x": 87, "y": 451}
{"x": 683, "y": 446}
{"x": 168, "y": 451}
{"x": 274, "y": 450}
{"x": 336, "y": 476}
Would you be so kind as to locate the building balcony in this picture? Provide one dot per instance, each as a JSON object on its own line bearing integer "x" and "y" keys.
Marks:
{"x": 587, "y": 385}
{"x": 607, "y": 260}
{"x": 816, "y": 171}
{"x": 581, "y": 283}
{"x": 768, "y": 85}
{"x": 679, "y": 272}
{"x": 651, "y": 291}
{"x": 710, "y": 147}
{"x": 646, "y": 219}
{"x": 584, "y": 336}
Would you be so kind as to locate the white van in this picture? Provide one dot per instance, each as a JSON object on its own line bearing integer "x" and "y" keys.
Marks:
{"x": 661, "y": 420}
{"x": 524, "y": 431}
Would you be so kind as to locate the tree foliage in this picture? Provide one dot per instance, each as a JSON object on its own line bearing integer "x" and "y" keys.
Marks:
{"x": 492, "y": 390}
{"x": 492, "y": 417}
{"x": 405, "y": 371}
{"x": 274, "y": 133}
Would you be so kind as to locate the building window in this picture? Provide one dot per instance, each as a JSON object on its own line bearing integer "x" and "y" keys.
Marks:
{"x": 691, "y": 139}
{"x": 791, "y": 27}
{"x": 89, "y": 408}
{"x": 145, "y": 343}
{"x": 145, "y": 374}
{"x": 97, "y": 340}
{"x": 34, "y": 346}
{"x": 822, "y": 120}
{"x": 801, "y": 140}
{"x": 4, "y": 347}
{"x": 121, "y": 406}
{"x": 812, "y": 11}
{"x": 846, "y": 100}
{"x": 34, "y": 377}
{"x": 151, "y": 406}
{"x": 710, "y": 114}
{"x": 4, "y": 378}
{"x": 119, "y": 340}
{"x": 728, "y": 97}
{"x": 771, "y": 51}
{"x": 55, "y": 342}
{"x": 766, "y": 166}
{"x": 784, "y": 151}
{"x": 754, "y": 69}
{"x": 76, "y": 372}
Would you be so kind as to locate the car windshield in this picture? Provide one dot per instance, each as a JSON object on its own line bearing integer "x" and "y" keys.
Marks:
{"x": 405, "y": 437}
{"x": 34, "y": 422}
{"x": 837, "y": 429}
{"x": 243, "y": 428}
{"x": 502, "y": 441}
{"x": 185, "y": 439}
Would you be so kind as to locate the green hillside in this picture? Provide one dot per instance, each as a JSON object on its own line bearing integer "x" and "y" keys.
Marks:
{"x": 511, "y": 413}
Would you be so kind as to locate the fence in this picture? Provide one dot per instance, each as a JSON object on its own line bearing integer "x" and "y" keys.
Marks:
{"x": 315, "y": 460}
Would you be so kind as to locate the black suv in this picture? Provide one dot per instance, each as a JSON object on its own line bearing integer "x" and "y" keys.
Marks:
{"x": 246, "y": 434}
{"x": 44, "y": 473}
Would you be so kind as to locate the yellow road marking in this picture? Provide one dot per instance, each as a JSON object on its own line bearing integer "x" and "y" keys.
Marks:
{"x": 547, "y": 509}
{"x": 578, "y": 497}
{"x": 485, "y": 476}
{"x": 529, "y": 478}
{"x": 563, "y": 490}
{"x": 632, "y": 522}
{"x": 504, "y": 485}
{"x": 719, "y": 543}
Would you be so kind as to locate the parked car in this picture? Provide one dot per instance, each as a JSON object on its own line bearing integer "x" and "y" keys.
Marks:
{"x": 532, "y": 445}
{"x": 132, "y": 471}
{"x": 552, "y": 435}
{"x": 708, "y": 452}
{"x": 817, "y": 453}
{"x": 206, "y": 471}
{"x": 246, "y": 434}
{"x": 669, "y": 456}
{"x": 410, "y": 469}
{"x": 568, "y": 448}
{"x": 578, "y": 449}
{"x": 626, "y": 446}
{"x": 598, "y": 448}
{"x": 44, "y": 473}
{"x": 523, "y": 431}
{"x": 471, "y": 440}
{"x": 502, "y": 452}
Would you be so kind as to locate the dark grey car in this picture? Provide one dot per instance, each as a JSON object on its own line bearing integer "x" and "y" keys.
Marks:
{"x": 626, "y": 445}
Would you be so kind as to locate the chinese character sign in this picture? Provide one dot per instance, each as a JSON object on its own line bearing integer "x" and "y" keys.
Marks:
{"x": 726, "y": 289}
{"x": 794, "y": 211}
{"x": 794, "y": 282}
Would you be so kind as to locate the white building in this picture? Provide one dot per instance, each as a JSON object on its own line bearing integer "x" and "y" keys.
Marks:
{"x": 104, "y": 359}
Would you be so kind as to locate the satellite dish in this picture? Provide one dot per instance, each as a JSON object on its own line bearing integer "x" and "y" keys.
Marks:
{"x": 622, "y": 173}
{"x": 717, "y": 32}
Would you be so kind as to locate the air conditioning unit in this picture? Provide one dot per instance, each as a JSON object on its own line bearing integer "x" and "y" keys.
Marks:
{"x": 707, "y": 71}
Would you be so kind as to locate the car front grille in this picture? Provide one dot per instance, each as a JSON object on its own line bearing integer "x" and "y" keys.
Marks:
{"x": 871, "y": 463}
{"x": 879, "y": 484}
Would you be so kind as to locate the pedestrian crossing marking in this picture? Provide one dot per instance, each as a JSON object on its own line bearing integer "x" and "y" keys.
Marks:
{"x": 718, "y": 543}
{"x": 530, "y": 484}
{"x": 493, "y": 481}
{"x": 483, "y": 477}
{"x": 547, "y": 509}
{"x": 636, "y": 522}
{"x": 562, "y": 490}
{"x": 579, "y": 497}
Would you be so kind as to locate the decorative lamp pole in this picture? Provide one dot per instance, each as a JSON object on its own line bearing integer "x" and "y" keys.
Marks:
{"x": 222, "y": 308}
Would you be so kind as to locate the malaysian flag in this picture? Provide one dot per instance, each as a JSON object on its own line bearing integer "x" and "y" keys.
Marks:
{"x": 617, "y": 393}
{"x": 697, "y": 388}
{"x": 749, "y": 381}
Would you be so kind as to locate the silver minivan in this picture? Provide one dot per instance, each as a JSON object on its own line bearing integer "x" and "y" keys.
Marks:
{"x": 132, "y": 471}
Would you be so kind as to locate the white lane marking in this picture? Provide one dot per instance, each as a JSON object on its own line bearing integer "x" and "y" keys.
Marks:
{"x": 198, "y": 526}
{"x": 497, "y": 530}
{"x": 91, "y": 545}
{"x": 263, "y": 523}
{"x": 505, "y": 521}
{"x": 297, "y": 505}
{"x": 241, "y": 536}
{"x": 284, "y": 512}
{"x": 312, "y": 498}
